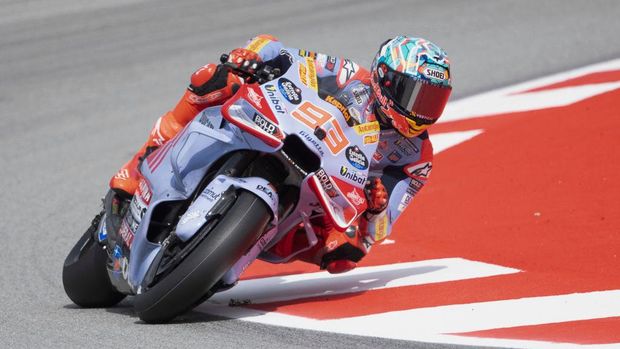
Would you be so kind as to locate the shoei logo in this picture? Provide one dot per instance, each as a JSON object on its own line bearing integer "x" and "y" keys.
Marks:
{"x": 435, "y": 72}
{"x": 289, "y": 90}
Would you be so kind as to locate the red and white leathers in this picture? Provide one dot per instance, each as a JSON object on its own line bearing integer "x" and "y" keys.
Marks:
{"x": 402, "y": 164}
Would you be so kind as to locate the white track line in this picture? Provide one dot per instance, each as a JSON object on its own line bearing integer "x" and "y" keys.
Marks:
{"x": 290, "y": 287}
{"x": 443, "y": 141}
{"x": 501, "y": 100}
{"x": 480, "y": 106}
{"x": 435, "y": 324}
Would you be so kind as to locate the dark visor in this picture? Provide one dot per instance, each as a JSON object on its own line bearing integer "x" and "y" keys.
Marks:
{"x": 415, "y": 96}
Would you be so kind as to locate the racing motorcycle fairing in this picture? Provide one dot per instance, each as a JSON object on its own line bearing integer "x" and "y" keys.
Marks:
{"x": 198, "y": 212}
{"x": 283, "y": 116}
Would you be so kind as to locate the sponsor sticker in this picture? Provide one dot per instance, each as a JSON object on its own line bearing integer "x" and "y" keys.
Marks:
{"x": 289, "y": 90}
{"x": 406, "y": 146}
{"x": 414, "y": 186}
{"x": 321, "y": 60}
{"x": 124, "y": 267}
{"x": 366, "y": 128}
{"x": 347, "y": 71}
{"x": 278, "y": 106}
{"x": 331, "y": 63}
{"x": 117, "y": 254}
{"x": 210, "y": 195}
{"x": 265, "y": 124}
{"x": 356, "y": 158}
{"x": 394, "y": 156}
{"x": 303, "y": 74}
{"x": 126, "y": 233}
{"x": 269, "y": 190}
{"x": 360, "y": 94}
{"x": 288, "y": 55}
{"x": 144, "y": 192}
{"x": 356, "y": 198}
{"x": 312, "y": 79}
{"x": 352, "y": 175}
{"x": 254, "y": 97}
{"x": 371, "y": 139}
{"x": 336, "y": 103}
{"x": 422, "y": 170}
{"x": 434, "y": 72}
{"x": 355, "y": 113}
{"x": 326, "y": 183}
{"x": 103, "y": 232}
{"x": 309, "y": 138}
{"x": 381, "y": 228}
{"x": 304, "y": 53}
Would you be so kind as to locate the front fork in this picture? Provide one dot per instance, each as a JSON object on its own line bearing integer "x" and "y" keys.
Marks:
{"x": 106, "y": 234}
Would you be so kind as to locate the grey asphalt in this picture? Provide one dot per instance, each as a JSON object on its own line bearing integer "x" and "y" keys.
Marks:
{"x": 82, "y": 82}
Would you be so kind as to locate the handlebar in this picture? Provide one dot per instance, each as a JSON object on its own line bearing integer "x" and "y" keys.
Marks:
{"x": 252, "y": 71}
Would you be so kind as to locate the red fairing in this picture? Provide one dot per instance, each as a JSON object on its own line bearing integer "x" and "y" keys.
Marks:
{"x": 254, "y": 96}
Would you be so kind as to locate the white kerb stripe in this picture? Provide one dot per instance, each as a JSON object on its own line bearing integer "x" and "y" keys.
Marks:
{"x": 299, "y": 286}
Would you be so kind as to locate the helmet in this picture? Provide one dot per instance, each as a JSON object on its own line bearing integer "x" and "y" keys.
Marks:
{"x": 411, "y": 83}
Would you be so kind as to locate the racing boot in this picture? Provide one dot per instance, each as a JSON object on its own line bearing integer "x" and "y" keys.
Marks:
{"x": 337, "y": 252}
{"x": 125, "y": 181}
{"x": 341, "y": 251}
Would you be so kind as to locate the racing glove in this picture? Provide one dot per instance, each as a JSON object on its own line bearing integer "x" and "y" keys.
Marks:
{"x": 376, "y": 196}
{"x": 244, "y": 61}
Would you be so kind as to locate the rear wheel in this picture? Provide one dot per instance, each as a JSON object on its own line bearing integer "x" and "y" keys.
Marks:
{"x": 84, "y": 274}
{"x": 193, "y": 278}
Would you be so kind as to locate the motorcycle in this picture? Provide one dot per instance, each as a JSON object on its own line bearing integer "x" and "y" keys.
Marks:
{"x": 221, "y": 194}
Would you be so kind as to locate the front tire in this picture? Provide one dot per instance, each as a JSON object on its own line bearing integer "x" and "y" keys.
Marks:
{"x": 192, "y": 280}
{"x": 84, "y": 274}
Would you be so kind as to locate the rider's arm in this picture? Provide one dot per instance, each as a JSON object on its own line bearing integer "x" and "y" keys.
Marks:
{"x": 402, "y": 184}
{"x": 211, "y": 85}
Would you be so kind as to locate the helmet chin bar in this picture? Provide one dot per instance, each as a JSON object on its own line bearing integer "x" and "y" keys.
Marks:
{"x": 380, "y": 115}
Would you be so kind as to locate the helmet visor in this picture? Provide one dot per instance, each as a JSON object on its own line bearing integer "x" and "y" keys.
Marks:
{"x": 415, "y": 97}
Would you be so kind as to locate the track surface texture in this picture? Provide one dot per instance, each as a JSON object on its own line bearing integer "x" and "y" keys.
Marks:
{"x": 82, "y": 82}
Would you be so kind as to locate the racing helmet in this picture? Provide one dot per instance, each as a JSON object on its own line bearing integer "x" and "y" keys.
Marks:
{"x": 411, "y": 83}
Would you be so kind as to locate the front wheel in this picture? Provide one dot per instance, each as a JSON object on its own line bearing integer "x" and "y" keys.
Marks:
{"x": 84, "y": 274}
{"x": 193, "y": 278}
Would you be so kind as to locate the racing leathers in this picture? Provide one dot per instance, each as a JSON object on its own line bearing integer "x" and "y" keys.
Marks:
{"x": 399, "y": 168}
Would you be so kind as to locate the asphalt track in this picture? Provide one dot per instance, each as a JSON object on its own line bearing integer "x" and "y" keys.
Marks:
{"x": 80, "y": 84}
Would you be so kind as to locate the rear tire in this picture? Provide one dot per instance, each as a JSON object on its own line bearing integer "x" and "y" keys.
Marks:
{"x": 84, "y": 274}
{"x": 192, "y": 280}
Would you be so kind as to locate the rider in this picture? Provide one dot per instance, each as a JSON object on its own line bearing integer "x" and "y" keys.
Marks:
{"x": 405, "y": 90}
